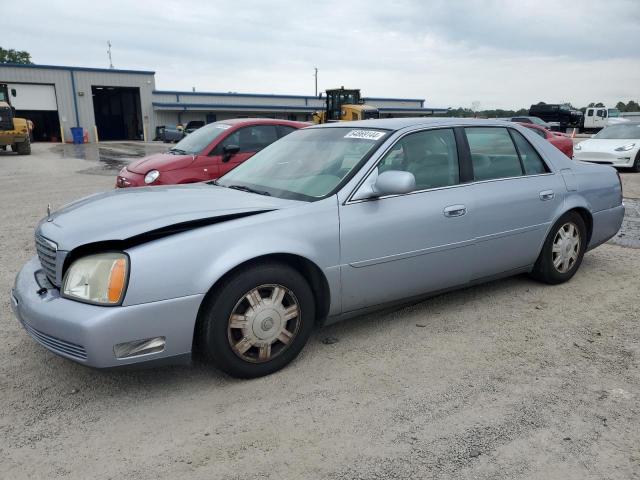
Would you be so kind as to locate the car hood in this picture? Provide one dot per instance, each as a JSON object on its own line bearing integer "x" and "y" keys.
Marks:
{"x": 617, "y": 121}
{"x": 605, "y": 144}
{"x": 125, "y": 213}
{"x": 162, "y": 162}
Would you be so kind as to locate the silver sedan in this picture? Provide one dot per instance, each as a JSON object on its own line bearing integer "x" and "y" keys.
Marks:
{"x": 327, "y": 223}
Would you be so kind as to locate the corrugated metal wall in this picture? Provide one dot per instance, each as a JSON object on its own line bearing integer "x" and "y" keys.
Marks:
{"x": 61, "y": 78}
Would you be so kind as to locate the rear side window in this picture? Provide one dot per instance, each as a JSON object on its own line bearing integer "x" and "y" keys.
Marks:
{"x": 493, "y": 154}
{"x": 531, "y": 160}
{"x": 590, "y": 113}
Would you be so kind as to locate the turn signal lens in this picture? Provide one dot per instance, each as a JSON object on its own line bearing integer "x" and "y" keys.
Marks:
{"x": 116, "y": 280}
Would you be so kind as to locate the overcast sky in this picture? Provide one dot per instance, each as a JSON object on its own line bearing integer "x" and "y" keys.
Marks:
{"x": 501, "y": 53}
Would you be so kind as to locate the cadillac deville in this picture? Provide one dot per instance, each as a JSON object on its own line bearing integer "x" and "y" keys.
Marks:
{"x": 326, "y": 223}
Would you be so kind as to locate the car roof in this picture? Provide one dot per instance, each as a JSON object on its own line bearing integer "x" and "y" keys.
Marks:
{"x": 261, "y": 121}
{"x": 400, "y": 123}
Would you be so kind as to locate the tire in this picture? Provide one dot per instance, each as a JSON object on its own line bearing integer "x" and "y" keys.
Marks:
{"x": 24, "y": 148}
{"x": 235, "y": 326}
{"x": 546, "y": 268}
{"x": 636, "y": 164}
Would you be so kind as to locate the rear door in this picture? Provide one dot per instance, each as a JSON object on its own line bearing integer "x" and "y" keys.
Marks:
{"x": 515, "y": 198}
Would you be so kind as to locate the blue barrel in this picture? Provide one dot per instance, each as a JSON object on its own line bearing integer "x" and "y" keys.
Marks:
{"x": 78, "y": 135}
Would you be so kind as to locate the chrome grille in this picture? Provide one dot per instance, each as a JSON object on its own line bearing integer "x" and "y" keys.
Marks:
{"x": 55, "y": 344}
{"x": 47, "y": 253}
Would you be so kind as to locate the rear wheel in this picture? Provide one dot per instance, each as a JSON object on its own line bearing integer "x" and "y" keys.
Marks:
{"x": 256, "y": 321}
{"x": 563, "y": 250}
{"x": 23, "y": 148}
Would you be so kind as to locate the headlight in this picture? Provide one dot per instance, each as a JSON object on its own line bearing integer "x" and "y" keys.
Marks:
{"x": 151, "y": 176}
{"x": 577, "y": 147}
{"x": 100, "y": 278}
{"x": 626, "y": 148}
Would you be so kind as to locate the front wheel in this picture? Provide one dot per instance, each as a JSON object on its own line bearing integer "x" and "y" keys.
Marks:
{"x": 563, "y": 250}
{"x": 257, "y": 321}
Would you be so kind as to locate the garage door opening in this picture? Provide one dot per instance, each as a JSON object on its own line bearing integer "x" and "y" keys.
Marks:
{"x": 46, "y": 125}
{"x": 117, "y": 112}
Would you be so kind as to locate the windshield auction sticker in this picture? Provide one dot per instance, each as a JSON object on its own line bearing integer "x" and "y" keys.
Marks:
{"x": 365, "y": 134}
{"x": 223, "y": 126}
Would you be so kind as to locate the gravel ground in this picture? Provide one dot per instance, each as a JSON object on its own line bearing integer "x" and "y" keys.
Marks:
{"x": 512, "y": 379}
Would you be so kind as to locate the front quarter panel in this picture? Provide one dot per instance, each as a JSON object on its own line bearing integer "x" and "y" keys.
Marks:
{"x": 189, "y": 263}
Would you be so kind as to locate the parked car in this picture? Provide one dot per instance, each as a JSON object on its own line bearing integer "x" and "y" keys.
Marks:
{"x": 193, "y": 125}
{"x": 207, "y": 153}
{"x": 532, "y": 120}
{"x": 172, "y": 133}
{"x": 561, "y": 141}
{"x": 617, "y": 145}
{"x": 327, "y": 223}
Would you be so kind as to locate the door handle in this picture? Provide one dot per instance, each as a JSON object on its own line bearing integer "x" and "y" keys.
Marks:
{"x": 454, "y": 211}
{"x": 547, "y": 195}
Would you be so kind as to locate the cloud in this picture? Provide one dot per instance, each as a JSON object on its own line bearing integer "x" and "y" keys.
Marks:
{"x": 501, "y": 53}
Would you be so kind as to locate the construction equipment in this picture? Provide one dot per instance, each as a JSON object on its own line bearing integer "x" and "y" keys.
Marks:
{"x": 13, "y": 131}
{"x": 344, "y": 105}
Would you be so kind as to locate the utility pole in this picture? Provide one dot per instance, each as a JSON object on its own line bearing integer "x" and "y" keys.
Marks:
{"x": 109, "y": 53}
{"x": 316, "y": 75}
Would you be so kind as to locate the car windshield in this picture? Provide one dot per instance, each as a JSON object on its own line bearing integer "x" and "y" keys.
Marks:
{"x": 307, "y": 164}
{"x": 199, "y": 139}
{"x": 631, "y": 131}
{"x": 614, "y": 112}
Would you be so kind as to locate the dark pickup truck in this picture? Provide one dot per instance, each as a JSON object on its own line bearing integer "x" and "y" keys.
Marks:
{"x": 563, "y": 115}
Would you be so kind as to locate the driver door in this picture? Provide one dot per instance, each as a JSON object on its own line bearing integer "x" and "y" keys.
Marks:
{"x": 406, "y": 245}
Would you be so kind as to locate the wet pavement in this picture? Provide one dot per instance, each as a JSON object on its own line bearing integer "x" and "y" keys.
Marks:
{"x": 110, "y": 156}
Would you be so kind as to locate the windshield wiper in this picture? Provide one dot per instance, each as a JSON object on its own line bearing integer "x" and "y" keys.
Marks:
{"x": 248, "y": 189}
{"x": 179, "y": 151}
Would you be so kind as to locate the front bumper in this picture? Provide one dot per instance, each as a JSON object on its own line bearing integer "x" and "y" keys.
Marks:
{"x": 617, "y": 159}
{"x": 87, "y": 334}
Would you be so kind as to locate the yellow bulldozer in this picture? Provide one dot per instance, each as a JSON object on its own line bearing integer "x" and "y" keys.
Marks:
{"x": 343, "y": 104}
{"x": 13, "y": 131}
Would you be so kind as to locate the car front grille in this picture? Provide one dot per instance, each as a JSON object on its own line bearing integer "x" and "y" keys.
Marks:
{"x": 47, "y": 253}
{"x": 55, "y": 344}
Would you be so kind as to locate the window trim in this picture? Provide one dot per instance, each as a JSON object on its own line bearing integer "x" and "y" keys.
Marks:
{"x": 463, "y": 149}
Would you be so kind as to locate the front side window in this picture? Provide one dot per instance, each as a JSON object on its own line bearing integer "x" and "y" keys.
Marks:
{"x": 531, "y": 161}
{"x": 431, "y": 156}
{"x": 493, "y": 154}
{"x": 197, "y": 141}
{"x": 307, "y": 164}
{"x": 251, "y": 139}
{"x": 590, "y": 113}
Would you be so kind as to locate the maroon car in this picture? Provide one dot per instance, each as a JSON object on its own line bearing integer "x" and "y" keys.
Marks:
{"x": 207, "y": 153}
{"x": 561, "y": 141}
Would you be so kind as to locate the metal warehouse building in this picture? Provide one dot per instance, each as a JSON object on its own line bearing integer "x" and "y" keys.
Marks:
{"x": 125, "y": 105}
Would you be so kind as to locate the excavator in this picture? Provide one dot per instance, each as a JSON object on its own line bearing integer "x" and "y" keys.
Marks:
{"x": 13, "y": 131}
{"x": 343, "y": 104}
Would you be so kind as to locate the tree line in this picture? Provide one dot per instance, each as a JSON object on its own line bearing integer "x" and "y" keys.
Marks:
{"x": 630, "y": 106}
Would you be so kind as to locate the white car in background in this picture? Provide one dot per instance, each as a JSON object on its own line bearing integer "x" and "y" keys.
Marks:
{"x": 617, "y": 145}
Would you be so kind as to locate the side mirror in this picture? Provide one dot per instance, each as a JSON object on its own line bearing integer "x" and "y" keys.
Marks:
{"x": 391, "y": 182}
{"x": 229, "y": 151}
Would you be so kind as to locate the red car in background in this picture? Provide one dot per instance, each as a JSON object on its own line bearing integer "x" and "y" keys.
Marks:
{"x": 561, "y": 141}
{"x": 207, "y": 153}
